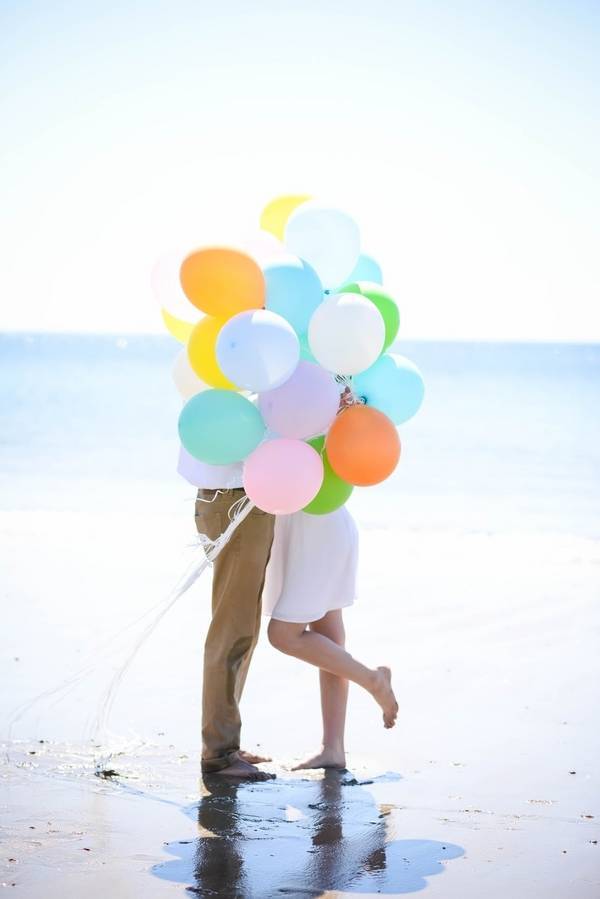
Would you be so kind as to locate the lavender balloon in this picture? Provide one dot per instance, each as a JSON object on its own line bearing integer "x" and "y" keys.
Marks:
{"x": 201, "y": 474}
{"x": 304, "y": 406}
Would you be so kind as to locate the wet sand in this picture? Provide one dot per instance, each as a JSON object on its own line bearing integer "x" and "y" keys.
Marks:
{"x": 487, "y": 786}
{"x": 302, "y": 834}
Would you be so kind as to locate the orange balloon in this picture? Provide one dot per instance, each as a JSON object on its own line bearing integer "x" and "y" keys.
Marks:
{"x": 222, "y": 282}
{"x": 363, "y": 446}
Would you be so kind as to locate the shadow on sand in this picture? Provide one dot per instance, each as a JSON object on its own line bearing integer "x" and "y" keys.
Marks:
{"x": 299, "y": 837}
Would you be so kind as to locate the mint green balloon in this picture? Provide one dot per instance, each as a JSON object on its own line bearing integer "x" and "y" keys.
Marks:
{"x": 384, "y": 302}
{"x": 334, "y": 491}
{"x": 220, "y": 427}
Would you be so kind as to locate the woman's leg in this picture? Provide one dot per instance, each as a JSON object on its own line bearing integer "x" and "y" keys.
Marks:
{"x": 334, "y": 699}
{"x": 317, "y": 649}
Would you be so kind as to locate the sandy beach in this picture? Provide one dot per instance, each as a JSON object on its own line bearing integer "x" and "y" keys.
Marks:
{"x": 489, "y": 783}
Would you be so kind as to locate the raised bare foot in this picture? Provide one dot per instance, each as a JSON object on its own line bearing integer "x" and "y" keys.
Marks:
{"x": 242, "y": 770}
{"x": 253, "y": 758}
{"x": 326, "y": 758}
{"x": 382, "y": 692}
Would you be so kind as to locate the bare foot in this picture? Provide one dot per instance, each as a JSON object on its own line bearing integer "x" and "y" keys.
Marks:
{"x": 253, "y": 758}
{"x": 242, "y": 770}
{"x": 327, "y": 758}
{"x": 382, "y": 692}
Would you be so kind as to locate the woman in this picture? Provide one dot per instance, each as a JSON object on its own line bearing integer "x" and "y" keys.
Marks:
{"x": 310, "y": 578}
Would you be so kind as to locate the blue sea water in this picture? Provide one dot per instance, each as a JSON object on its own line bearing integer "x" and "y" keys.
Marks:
{"x": 508, "y": 438}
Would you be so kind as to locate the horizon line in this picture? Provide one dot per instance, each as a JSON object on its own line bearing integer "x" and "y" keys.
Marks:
{"x": 125, "y": 335}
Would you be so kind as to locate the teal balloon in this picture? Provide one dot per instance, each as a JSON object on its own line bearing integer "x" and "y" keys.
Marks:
{"x": 305, "y": 350}
{"x": 366, "y": 269}
{"x": 394, "y": 385}
{"x": 293, "y": 290}
{"x": 220, "y": 427}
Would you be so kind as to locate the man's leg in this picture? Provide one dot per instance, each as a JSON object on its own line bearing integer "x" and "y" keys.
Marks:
{"x": 252, "y": 758}
{"x": 238, "y": 578}
{"x": 245, "y": 664}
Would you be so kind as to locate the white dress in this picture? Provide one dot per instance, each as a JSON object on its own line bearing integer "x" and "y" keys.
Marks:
{"x": 312, "y": 568}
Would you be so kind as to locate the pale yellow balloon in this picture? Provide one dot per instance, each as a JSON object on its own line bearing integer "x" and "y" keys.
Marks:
{"x": 274, "y": 216}
{"x": 177, "y": 327}
{"x": 186, "y": 380}
{"x": 201, "y": 350}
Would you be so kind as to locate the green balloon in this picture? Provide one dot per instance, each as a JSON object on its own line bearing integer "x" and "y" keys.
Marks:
{"x": 318, "y": 443}
{"x": 385, "y": 304}
{"x": 220, "y": 427}
{"x": 334, "y": 491}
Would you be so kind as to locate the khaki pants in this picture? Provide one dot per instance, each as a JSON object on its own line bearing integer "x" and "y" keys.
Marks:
{"x": 238, "y": 579}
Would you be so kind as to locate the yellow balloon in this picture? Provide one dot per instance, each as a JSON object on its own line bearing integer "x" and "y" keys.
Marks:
{"x": 274, "y": 216}
{"x": 177, "y": 327}
{"x": 202, "y": 354}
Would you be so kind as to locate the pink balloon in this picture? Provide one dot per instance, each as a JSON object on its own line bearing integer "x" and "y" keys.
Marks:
{"x": 263, "y": 247}
{"x": 282, "y": 476}
{"x": 305, "y": 405}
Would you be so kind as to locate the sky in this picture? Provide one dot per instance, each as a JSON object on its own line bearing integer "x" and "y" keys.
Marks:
{"x": 464, "y": 138}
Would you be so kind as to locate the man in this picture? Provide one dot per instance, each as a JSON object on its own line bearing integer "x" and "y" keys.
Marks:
{"x": 238, "y": 579}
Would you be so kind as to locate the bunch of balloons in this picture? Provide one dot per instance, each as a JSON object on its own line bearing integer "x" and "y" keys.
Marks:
{"x": 287, "y": 369}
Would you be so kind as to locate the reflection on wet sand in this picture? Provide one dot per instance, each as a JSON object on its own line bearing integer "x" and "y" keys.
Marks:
{"x": 300, "y": 837}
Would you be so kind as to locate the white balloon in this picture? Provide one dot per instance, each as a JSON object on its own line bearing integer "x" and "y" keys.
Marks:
{"x": 186, "y": 380}
{"x": 327, "y": 238}
{"x": 167, "y": 286}
{"x": 258, "y": 349}
{"x": 346, "y": 333}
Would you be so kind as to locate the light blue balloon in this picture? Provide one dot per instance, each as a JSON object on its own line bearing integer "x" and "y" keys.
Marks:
{"x": 220, "y": 427}
{"x": 257, "y": 349}
{"x": 293, "y": 291}
{"x": 394, "y": 385}
{"x": 366, "y": 269}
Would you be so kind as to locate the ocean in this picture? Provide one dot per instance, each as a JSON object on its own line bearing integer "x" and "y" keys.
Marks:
{"x": 508, "y": 438}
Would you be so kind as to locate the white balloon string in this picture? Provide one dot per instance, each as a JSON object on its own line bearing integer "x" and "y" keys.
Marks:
{"x": 200, "y": 499}
{"x": 210, "y": 549}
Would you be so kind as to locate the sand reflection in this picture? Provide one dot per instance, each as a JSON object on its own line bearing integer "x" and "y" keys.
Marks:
{"x": 300, "y": 837}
